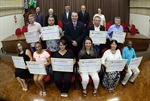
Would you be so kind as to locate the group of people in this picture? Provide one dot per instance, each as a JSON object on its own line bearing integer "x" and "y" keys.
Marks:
{"x": 76, "y": 44}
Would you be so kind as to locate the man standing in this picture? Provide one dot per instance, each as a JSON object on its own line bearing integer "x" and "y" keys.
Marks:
{"x": 33, "y": 27}
{"x": 84, "y": 16}
{"x": 74, "y": 34}
{"x": 51, "y": 14}
{"x": 66, "y": 16}
{"x": 131, "y": 74}
{"x": 97, "y": 27}
{"x": 39, "y": 17}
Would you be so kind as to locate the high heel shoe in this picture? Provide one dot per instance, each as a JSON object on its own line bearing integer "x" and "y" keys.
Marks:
{"x": 84, "y": 92}
{"x": 95, "y": 92}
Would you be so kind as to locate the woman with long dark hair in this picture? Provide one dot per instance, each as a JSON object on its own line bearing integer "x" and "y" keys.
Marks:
{"x": 88, "y": 52}
{"x": 23, "y": 74}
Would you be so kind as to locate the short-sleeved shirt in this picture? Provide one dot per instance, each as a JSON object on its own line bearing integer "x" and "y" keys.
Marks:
{"x": 35, "y": 27}
{"x": 128, "y": 54}
{"x": 68, "y": 54}
{"x": 41, "y": 57}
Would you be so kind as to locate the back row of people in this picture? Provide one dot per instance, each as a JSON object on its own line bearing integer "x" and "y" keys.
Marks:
{"x": 84, "y": 16}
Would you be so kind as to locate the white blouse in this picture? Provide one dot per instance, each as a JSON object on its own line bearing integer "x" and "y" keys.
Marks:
{"x": 108, "y": 55}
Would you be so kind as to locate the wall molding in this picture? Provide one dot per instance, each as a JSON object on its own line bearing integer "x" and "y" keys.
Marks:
{"x": 11, "y": 7}
{"x": 146, "y": 7}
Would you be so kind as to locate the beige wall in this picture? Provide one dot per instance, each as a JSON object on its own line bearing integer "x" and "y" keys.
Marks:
{"x": 140, "y": 15}
{"x": 140, "y": 7}
{"x": 9, "y": 7}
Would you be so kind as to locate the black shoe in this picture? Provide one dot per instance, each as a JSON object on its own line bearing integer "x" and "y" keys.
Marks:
{"x": 123, "y": 85}
{"x": 132, "y": 82}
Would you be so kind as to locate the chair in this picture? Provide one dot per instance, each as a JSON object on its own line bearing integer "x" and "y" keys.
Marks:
{"x": 24, "y": 29}
{"x": 48, "y": 76}
{"x": 18, "y": 31}
{"x": 133, "y": 30}
{"x": 108, "y": 24}
{"x": 125, "y": 27}
{"x": 60, "y": 23}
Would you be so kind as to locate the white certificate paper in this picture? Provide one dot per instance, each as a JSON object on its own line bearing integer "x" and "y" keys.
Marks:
{"x": 119, "y": 36}
{"x": 50, "y": 32}
{"x": 31, "y": 37}
{"x": 116, "y": 65}
{"x": 89, "y": 65}
{"x": 36, "y": 67}
{"x": 63, "y": 65}
{"x": 19, "y": 62}
{"x": 135, "y": 62}
{"x": 98, "y": 37}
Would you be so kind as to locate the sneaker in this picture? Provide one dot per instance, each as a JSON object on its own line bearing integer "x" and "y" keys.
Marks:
{"x": 132, "y": 82}
{"x": 64, "y": 95}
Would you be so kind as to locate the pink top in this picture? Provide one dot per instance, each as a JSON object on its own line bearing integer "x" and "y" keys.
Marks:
{"x": 41, "y": 57}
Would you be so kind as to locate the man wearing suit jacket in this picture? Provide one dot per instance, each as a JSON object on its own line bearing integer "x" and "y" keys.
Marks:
{"x": 84, "y": 16}
{"x": 96, "y": 27}
{"x": 66, "y": 16}
{"x": 39, "y": 17}
{"x": 51, "y": 14}
{"x": 74, "y": 34}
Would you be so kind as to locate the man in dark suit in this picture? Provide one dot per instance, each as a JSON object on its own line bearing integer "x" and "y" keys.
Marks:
{"x": 51, "y": 14}
{"x": 74, "y": 34}
{"x": 97, "y": 27}
{"x": 39, "y": 17}
{"x": 66, "y": 16}
{"x": 84, "y": 16}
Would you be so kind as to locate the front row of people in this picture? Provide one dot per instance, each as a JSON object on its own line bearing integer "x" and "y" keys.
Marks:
{"x": 63, "y": 79}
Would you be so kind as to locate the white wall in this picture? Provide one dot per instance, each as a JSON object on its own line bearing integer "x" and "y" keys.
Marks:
{"x": 141, "y": 22}
{"x": 8, "y": 25}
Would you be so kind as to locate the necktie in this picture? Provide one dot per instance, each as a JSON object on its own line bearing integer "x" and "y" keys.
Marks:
{"x": 74, "y": 24}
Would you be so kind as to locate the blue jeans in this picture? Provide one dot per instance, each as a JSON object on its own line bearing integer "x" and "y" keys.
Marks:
{"x": 33, "y": 49}
{"x": 98, "y": 49}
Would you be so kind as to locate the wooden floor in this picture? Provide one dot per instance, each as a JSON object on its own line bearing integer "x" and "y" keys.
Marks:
{"x": 11, "y": 90}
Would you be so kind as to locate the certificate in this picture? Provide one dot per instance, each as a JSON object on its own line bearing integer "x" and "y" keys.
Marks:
{"x": 31, "y": 37}
{"x": 98, "y": 37}
{"x": 119, "y": 36}
{"x": 63, "y": 65}
{"x": 50, "y": 33}
{"x": 135, "y": 62}
{"x": 19, "y": 62}
{"x": 116, "y": 65}
{"x": 36, "y": 67}
{"x": 89, "y": 65}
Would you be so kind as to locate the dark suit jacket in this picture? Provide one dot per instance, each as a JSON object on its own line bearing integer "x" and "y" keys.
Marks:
{"x": 78, "y": 35}
{"x": 102, "y": 28}
{"x": 46, "y": 20}
{"x": 39, "y": 18}
{"x": 85, "y": 19}
{"x": 64, "y": 18}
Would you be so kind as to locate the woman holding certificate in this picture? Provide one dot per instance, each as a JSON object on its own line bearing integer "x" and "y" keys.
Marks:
{"x": 23, "y": 74}
{"x": 63, "y": 79}
{"x": 88, "y": 52}
{"x": 41, "y": 55}
{"x": 111, "y": 79}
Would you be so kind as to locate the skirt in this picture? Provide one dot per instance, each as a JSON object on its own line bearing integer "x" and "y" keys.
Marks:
{"x": 22, "y": 73}
{"x": 110, "y": 79}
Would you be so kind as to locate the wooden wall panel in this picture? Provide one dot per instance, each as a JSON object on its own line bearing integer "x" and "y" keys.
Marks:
{"x": 110, "y": 8}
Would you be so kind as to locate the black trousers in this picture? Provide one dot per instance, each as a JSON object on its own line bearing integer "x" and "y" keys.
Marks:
{"x": 63, "y": 81}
